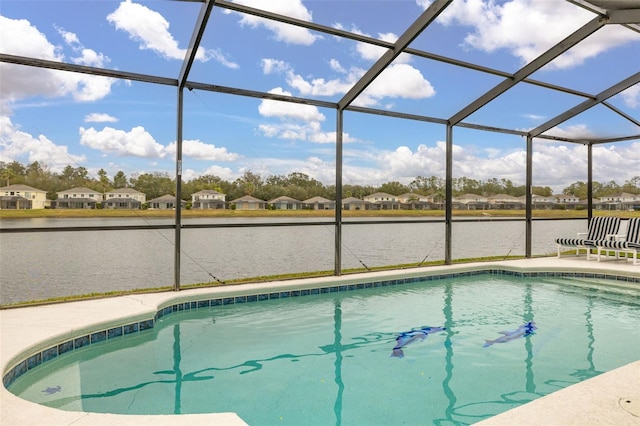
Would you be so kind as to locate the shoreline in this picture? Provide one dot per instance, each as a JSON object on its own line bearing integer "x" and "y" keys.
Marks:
{"x": 486, "y": 214}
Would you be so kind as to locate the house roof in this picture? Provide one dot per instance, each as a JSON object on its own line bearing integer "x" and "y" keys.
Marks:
{"x": 284, "y": 198}
{"x": 317, "y": 199}
{"x": 354, "y": 200}
{"x": 248, "y": 199}
{"x": 208, "y": 191}
{"x": 20, "y": 187}
{"x": 81, "y": 189}
{"x": 125, "y": 191}
{"x": 164, "y": 198}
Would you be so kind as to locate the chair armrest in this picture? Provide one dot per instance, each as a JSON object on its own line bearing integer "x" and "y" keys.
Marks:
{"x": 582, "y": 234}
{"x": 616, "y": 237}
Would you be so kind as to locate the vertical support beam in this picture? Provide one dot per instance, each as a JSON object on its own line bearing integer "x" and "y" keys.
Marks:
{"x": 448, "y": 197}
{"x": 178, "y": 217}
{"x": 338, "y": 234}
{"x": 528, "y": 198}
{"x": 589, "y": 180}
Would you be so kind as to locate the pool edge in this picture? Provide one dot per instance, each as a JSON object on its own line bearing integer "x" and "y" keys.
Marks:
{"x": 18, "y": 341}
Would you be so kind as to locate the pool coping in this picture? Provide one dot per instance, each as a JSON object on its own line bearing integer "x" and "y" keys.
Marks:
{"x": 31, "y": 335}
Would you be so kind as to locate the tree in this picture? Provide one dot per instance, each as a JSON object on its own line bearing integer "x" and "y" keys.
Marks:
{"x": 394, "y": 188}
{"x": 13, "y": 172}
{"x": 632, "y": 185}
{"x": 249, "y": 183}
{"x": 104, "y": 180}
{"x": 153, "y": 185}
{"x": 119, "y": 180}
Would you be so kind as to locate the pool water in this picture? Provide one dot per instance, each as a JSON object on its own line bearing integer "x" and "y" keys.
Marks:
{"x": 326, "y": 359}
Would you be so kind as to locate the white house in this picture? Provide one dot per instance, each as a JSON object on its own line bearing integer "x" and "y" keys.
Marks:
{"x": 78, "y": 198}
{"x": 124, "y": 198}
{"x": 208, "y": 199}
{"x": 22, "y": 197}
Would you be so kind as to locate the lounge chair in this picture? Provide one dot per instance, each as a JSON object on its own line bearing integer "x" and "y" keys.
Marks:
{"x": 630, "y": 242}
{"x": 600, "y": 228}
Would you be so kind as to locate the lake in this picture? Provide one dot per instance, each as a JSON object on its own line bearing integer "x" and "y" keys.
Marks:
{"x": 41, "y": 265}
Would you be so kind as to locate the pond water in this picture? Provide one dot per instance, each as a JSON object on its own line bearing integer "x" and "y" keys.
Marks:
{"x": 326, "y": 359}
{"x": 37, "y": 266}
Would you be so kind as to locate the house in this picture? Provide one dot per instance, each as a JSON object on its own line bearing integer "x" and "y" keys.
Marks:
{"x": 471, "y": 202}
{"x": 318, "y": 203}
{"x": 208, "y": 199}
{"x": 567, "y": 199}
{"x": 352, "y": 203}
{"x": 165, "y": 202}
{"x": 539, "y": 202}
{"x": 382, "y": 201}
{"x": 505, "y": 202}
{"x": 248, "y": 202}
{"x": 124, "y": 198}
{"x": 285, "y": 203}
{"x": 77, "y": 198}
{"x": 22, "y": 197}
{"x": 621, "y": 201}
{"x": 413, "y": 201}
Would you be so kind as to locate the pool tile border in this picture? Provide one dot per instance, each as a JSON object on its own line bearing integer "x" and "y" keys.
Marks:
{"x": 98, "y": 336}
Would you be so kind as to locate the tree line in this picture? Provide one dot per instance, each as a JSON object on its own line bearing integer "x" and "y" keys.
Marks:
{"x": 295, "y": 185}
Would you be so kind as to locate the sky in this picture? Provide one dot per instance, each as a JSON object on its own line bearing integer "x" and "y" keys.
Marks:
{"x": 60, "y": 118}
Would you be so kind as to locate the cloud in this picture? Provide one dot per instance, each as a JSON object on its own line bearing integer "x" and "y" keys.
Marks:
{"x": 399, "y": 80}
{"x": 19, "y": 37}
{"x": 527, "y": 28}
{"x": 370, "y": 52}
{"x": 396, "y": 81}
{"x": 199, "y": 150}
{"x": 99, "y": 118}
{"x": 296, "y": 122}
{"x": 137, "y": 142}
{"x": 288, "y": 110}
{"x": 575, "y": 131}
{"x": 16, "y": 145}
{"x": 631, "y": 96}
{"x": 286, "y": 33}
{"x": 151, "y": 30}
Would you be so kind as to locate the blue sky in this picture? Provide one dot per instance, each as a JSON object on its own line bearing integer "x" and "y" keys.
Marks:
{"x": 64, "y": 118}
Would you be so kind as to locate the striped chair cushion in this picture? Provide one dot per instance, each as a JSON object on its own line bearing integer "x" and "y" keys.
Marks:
{"x": 617, "y": 244}
{"x": 575, "y": 242}
{"x": 599, "y": 228}
{"x": 632, "y": 237}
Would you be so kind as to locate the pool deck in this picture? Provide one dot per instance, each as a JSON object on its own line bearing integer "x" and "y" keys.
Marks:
{"x": 611, "y": 398}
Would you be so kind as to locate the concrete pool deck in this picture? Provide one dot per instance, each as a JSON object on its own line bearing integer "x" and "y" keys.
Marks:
{"x": 611, "y": 398}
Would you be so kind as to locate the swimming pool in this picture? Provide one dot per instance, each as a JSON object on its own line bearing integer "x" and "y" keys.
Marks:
{"x": 326, "y": 359}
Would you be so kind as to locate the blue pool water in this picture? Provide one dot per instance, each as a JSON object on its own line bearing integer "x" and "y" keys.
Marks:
{"x": 325, "y": 359}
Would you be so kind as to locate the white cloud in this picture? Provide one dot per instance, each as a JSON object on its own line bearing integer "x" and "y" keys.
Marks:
{"x": 288, "y": 110}
{"x": 202, "y": 151}
{"x": 631, "y": 96}
{"x": 571, "y": 132}
{"x": 397, "y": 81}
{"x": 137, "y": 142}
{"x": 16, "y": 145}
{"x": 289, "y": 34}
{"x": 527, "y": 28}
{"x": 19, "y": 37}
{"x": 99, "y": 118}
{"x": 151, "y": 30}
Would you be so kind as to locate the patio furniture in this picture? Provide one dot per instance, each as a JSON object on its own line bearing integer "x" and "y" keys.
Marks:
{"x": 628, "y": 243}
{"x": 600, "y": 228}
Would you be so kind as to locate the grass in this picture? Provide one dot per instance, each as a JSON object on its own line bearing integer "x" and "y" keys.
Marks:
{"x": 240, "y": 281}
{"x": 95, "y": 213}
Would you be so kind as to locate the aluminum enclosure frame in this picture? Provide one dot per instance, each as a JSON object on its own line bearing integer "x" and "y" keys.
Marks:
{"x": 607, "y": 12}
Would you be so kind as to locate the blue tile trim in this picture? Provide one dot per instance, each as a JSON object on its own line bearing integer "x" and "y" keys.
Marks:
{"x": 37, "y": 359}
